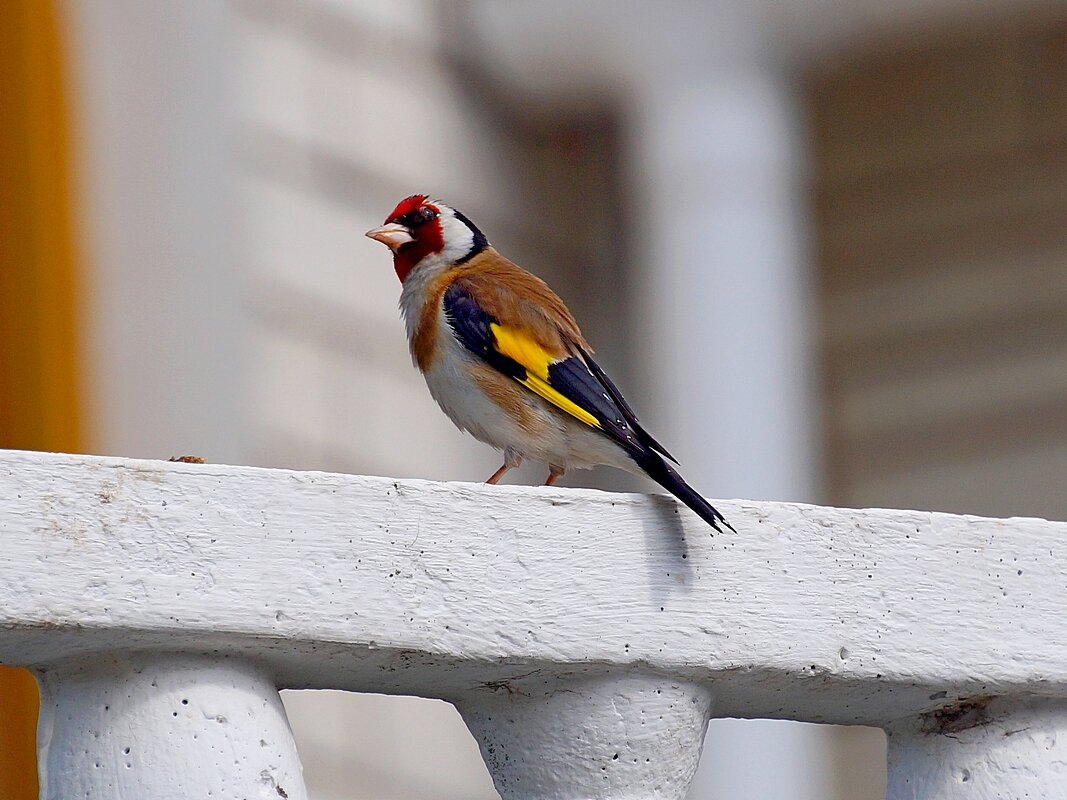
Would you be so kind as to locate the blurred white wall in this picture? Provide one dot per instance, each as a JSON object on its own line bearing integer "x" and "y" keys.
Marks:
{"x": 341, "y": 110}
{"x": 165, "y": 322}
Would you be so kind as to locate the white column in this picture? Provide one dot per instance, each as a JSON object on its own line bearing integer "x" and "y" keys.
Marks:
{"x": 623, "y": 737}
{"x": 162, "y": 727}
{"x": 980, "y": 750}
{"x": 723, "y": 306}
{"x": 724, "y": 328}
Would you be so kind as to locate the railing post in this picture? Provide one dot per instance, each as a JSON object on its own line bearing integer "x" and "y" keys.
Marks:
{"x": 164, "y": 726}
{"x": 615, "y": 736}
{"x": 980, "y": 749}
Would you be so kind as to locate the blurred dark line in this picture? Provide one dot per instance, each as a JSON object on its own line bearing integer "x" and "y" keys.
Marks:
{"x": 314, "y": 318}
{"x": 903, "y": 184}
{"x": 1019, "y": 428}
{"x": 337, "y": 178}
{"x": 919, "y": 352}
{"x": 331, "y": 30}
{"x": 302, "y": 165}
{"x": 998, "y": 234}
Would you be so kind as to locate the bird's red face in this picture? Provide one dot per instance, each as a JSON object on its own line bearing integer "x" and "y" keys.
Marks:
{"x": 419, "y": 228}
{"x": 413, "y": 231}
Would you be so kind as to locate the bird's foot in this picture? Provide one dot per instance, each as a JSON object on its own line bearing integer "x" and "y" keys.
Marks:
{"x": 496, "y": 476}
{"x": 554, "y": 475}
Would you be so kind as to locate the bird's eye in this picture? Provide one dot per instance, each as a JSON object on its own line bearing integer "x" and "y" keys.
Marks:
{"x": 419, "y": 216}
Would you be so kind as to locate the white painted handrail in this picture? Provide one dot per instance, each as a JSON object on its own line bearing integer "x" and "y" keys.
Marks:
{"x": 585, "y": 637}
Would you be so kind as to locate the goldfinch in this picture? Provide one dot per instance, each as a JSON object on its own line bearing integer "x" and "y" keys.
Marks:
{"x": 505, "y": 360}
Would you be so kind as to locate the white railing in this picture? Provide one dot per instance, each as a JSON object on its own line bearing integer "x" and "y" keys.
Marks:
{"x": 585, "y": 637}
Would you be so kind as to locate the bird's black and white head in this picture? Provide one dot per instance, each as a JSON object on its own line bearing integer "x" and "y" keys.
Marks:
{"x": 427, "y": 235}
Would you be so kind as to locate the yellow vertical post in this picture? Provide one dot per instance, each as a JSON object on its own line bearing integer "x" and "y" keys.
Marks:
{"x": 18, "y": 728}
{"x": 39, "y": 399}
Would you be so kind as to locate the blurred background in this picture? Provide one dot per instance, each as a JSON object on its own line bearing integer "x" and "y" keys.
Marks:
{"x": 822, "y": 244}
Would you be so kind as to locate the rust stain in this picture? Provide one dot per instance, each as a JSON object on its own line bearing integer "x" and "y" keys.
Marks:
{"x": 960, "y": 715}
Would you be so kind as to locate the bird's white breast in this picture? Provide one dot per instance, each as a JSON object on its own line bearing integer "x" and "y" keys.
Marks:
{"x": 415, "y": 293}
{"x": 451, "y": 383}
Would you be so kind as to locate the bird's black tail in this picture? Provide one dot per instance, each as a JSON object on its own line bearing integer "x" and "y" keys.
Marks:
{"x": 663, "y": 474}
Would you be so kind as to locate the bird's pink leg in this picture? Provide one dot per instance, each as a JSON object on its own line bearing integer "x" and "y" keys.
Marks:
{"x": 554, "y": 474}
{"x": 496, "y": 476}
{"x": 512, "y": 458}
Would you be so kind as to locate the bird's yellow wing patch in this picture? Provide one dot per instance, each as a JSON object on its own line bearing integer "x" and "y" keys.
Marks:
{"x": 543, "y": 388}
{"x": 536, "y": 361}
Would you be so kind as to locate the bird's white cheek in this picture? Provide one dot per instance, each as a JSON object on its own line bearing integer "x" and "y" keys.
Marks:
{"x": 458, "y": 238}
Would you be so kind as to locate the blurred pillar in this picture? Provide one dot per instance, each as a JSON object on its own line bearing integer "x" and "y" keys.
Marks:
{"x": 723, "y": 297}
{"x": 19, "y": 705}
{"x": 39, "y": 398}
{"x": 38, "y": 375}
{"x": 724, "y": 326}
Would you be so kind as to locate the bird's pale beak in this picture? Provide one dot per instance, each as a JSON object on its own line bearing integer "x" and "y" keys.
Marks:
{"x": 391, "y": 235}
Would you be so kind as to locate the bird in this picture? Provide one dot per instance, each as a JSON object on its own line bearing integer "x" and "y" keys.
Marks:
{"x": 505, "y": 359}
